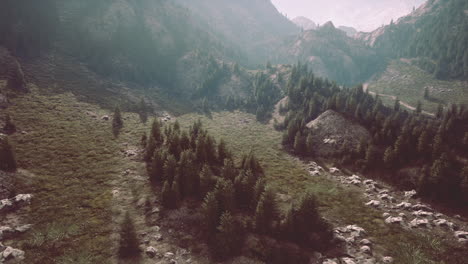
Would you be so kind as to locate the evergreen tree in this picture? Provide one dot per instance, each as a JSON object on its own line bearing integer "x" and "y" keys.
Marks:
{"x": 175, "y": 194}
{"x": 396, "y": 106}
{"x": 129, "y": 245}
{"x": 267, "y": 211}
{"x": 299, "y": 143}
{"x": 166, "y": 195}
{"x": 464, "y": 184}
{"x": 7, "y": 156}
{"x": 418, "y": 107}
{"x": 9, "y": 127}
{"x": 440, "y": 111}
{"x": 143, "y": 111}
{"x": 211, "y": 212}
{"x": 230, "y": 237}
{"x": 371, "y": 157}
{"x": 207, "y": 180}
{"x": 144, "y": 141}
{"x": 156, "y": 167}
{"x": 222, "y": 152}
{"x": 389, "y": 157}
{"x": 170, "y": 169}
{"x": 117, "y": 122}
{"x": 423, "y": 143}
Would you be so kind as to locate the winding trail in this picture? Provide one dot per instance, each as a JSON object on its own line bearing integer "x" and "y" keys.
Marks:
{"x": 406, "y": 105}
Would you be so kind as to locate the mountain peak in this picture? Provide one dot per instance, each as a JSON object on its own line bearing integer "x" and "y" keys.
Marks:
{"x": 304, "y": 23}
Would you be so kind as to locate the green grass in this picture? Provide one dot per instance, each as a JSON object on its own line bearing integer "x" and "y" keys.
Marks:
{"x": 406, "y": 81}
{"x": 341, "y": 206}
{"x": 71, "y": 159}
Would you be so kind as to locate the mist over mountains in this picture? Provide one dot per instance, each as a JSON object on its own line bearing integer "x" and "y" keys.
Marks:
{"x": 364, "y": 15}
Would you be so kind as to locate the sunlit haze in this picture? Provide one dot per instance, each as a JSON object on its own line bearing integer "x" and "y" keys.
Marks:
{"x": 364, "y": 15}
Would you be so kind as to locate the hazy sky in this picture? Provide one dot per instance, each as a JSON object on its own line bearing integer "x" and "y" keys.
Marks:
{"x": 365, "y": 15}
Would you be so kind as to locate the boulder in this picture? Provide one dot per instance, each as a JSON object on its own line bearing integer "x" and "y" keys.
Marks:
{"x": 404, "y": 205}
{"x": 330, "y": 261}
{"x": 6, "y": 232}
{"x": 394, "y": 220}
{"x": 151, "y": 252}
{"x": 365, "y": 249}
{"x": 373, "y": 203}
{"x": 23, "y": 198}
{"x": 355, "y": 182}
{"x": 422, "y": 213}
{"x": 385, "y": 215}
{"x": 23, "y": 228}
{"x": 334, "y": 170}
{"x": 12, "y": 253}
{"x": 365, "y": 242}
{"x": 387, "y": 259}
{"x": 169, "y": 255}
{"x": 419, "y": 223}
{"x": 386, "y": 197}
{"x": 348, "y": 261}
{"x": 461, "y": 234}
{"x": 420, "y": 206}
{"x": 410, "y": 194}
{"x": 105, "y": 118}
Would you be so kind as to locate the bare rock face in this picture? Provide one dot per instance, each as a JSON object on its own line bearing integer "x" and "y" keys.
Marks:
{"x": 331, "y": 131}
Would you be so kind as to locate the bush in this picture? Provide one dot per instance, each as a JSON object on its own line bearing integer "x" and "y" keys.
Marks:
{"x": 7, "y": 156}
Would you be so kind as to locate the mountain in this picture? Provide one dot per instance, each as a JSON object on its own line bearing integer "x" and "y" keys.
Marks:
{"x": 252, "y": 25}
{"x": 350, "y": 31}
{"x": 435, "y": 35}
{"x": 331, "y": 53}
{"x": 143, "y": 47}
{"x": 304, "y": 23}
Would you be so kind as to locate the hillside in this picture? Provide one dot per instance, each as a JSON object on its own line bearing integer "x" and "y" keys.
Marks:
{"x": 304, "y": 23}
{"x": 419, "y": 34}
{"x": 332, "y": 54}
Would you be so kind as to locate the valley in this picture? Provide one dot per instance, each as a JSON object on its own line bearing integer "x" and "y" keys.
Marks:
{"x": 213, "y": 131}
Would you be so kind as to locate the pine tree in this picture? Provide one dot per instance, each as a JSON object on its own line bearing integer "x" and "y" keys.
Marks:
{"x": 423, "y": 143}
{"x": 230, "y": 237}
{"x": 143, "y": 111}
{"x": 464, "y": 184}
{"x": 418, "y": 107}
{"x": 9, "y": 127}
{"x": 170, "y": 169}
{"x": 440, "y": 111}
{"x": 176, "y": 196}
{"x": 117, "y": 122}
{"x": 144, "y": 141}
{"x": 222, "y": 152}
{"x": 396, "y": 106}
{"x": 225, "y": 194}
{"x": 129, "y": 245}
{"x": 389, "y": 157}
{"x": 166, "y": 194}
{"x": 371, "y": 157}
{"x": 211, "y": 212}
{"x": 267, "y": 211}
{"x": 207, "y": 180}
{"x": 426, "y": 93}
{"x": 7, "y": 156}
{"x": 299, "y": 143}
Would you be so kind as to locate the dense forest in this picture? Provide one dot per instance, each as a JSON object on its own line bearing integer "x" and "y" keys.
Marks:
{"x": 400, "y": 139}
{"x": 439, "y": 40}
{"x": 233, "y": 200}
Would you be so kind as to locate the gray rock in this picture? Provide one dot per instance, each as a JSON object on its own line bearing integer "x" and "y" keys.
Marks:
{"x": 365, "y": 242}
{"x": 366, "y": 249}
{"x": 394, "y": 220}
{"x": 348, "y": 261}
{"x": 387, "y": 259}
{"x": 419, "y": 223}
{"x": 461, "y": 234}
{"x": 23, "y": 228}
{"x": 404, "y": 205}
{"x": 422, "y": 213}
{"x": 373, "y": 203}
{"x": 23, "y": 198}
{"x": 13, "y": 253}
{"x": 151, "y": 252}
{"x": 410, "y": 194}
{"x": 169, "y": 255}
{"x": 330, "y": 261}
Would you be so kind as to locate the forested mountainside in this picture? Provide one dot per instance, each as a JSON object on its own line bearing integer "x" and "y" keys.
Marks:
{"x": 333, "y": 54}
{"x": 399, "y": 141}
{"x": 147, "y": 45}
{"x": 254, "y": 26}
{"x": 436, "y": 34}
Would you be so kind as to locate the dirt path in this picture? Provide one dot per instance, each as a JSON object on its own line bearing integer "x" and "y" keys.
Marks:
{"x": 365, "y": 86}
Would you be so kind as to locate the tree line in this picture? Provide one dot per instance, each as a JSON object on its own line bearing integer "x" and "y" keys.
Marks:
{"x": 437, "y": 146}
{"x": 234, "y": 199}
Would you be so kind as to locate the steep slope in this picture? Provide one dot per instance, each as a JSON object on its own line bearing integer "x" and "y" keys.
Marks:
{"x": 435, "y": 34}
{"x": 304, "y": 23}
{"x": 332, "y": 54}
{"x": 253, "y": 26}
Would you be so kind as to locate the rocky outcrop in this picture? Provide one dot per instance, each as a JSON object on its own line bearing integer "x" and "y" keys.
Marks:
{"x": 331, "y": 131}
{"x": 15, "y": 202}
